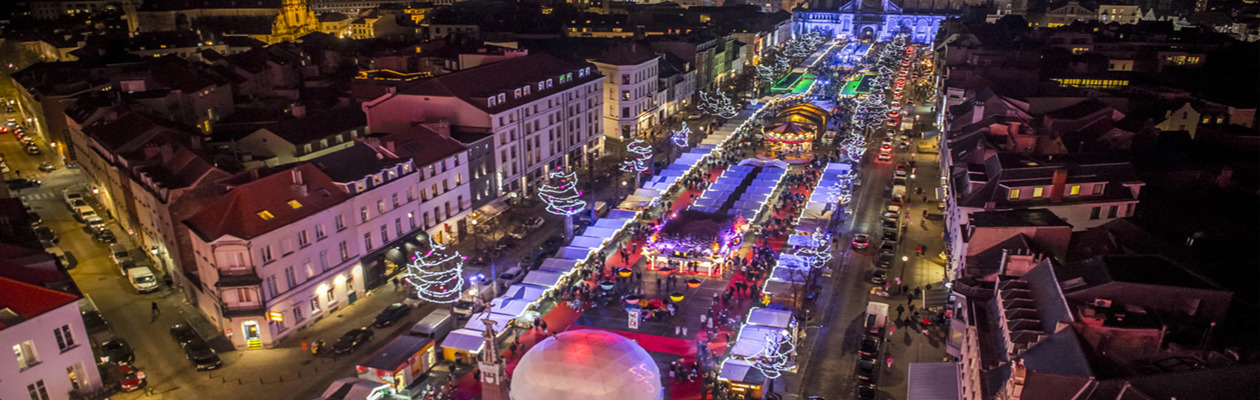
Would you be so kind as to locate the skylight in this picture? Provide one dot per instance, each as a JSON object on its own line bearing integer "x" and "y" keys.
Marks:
{"x": 266, "y": 215}
{"x": 295, "y": 204}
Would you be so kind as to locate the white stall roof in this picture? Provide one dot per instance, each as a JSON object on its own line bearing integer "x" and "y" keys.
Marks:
{"x": 587, "y": 242}
{"x": 475, "y": 323}
{"x": 752, "y": 339}
{"x": 789, "y": 274}
{"x": 659, "y": 185}
{"x": 603, "y": 233}
{"x": 735, "y": 370}
{"x": 611, "y": 223}
{"x": 777, "y": 287}
{"x": 620, "y": 214}
{"x": 762, "y": 316}
{"x": 542, "y": 278}
{"x": 710, "y": 201}
{"x": 809, "y": 224}
{"x": 574, "y": 253}
{"x": 647, "y": 192}
{"x": 464, "y": 339}
{"x": 748, "y": 205}
{"x": 560, "y": 265}
{"x": 509, "y": 307}
{"x": 521, "y": 291}
{"x": 708, "y": 209}
{"x": 793, "y": 260}
{"x": 802, "y": 240}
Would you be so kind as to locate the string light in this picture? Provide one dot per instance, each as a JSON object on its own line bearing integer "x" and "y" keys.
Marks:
{"x": 819, "y": 249}
{"x": 682, "y": 137}
{"x": 775, "y": 357}
{"x": 717, "y": 105}
{"x": 640, "y": 163}
{"x": 561, "y": 193}
{"x": 432, "y": 283}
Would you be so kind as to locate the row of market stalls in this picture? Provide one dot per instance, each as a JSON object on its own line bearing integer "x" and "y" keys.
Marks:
{"x": 761, "y": 326}
{"x": 833, "y": 190}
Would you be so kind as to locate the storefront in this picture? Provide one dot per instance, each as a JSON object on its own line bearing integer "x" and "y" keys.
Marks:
{"x": 399, "y": 363}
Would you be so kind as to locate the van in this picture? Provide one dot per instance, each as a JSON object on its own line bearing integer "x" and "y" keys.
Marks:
{"x": 143, "y": 279}
{"x": 512, "y": 276}
{"x": 435, "y": 325}
{"x": 94, "y": 222}
{"x": 876, "y": 317}
{"x": 118, "y": 253}
{"x": 81, "y": 213}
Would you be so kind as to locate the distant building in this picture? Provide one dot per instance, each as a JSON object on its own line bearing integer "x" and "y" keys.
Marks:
{"x": 52, "y": 356}
{"x": 634, "y": 101}
{"x": 876, "y": 20}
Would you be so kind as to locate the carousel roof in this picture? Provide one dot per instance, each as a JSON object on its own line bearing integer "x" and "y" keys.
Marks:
{"x": 586, "y": 364}
{"x": 790, "y": 127}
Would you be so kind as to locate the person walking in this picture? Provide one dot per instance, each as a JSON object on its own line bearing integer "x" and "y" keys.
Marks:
{"x": 900, "y": 310}
{"x": 156, "y": 311}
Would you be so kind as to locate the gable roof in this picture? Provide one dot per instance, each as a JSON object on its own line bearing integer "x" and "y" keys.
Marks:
{"x": 627, "y": 54}
{"x": 236, "y": 213}
{"x": 29, "y": 301}
{"x": 320, "y": 125}
{"x": 474, "y": 85}
{"x": 423, "y": 145}
{"x": 131, "y": 131}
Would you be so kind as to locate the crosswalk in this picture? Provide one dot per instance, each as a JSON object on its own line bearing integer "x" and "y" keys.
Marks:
{"x": 39, "y": 196}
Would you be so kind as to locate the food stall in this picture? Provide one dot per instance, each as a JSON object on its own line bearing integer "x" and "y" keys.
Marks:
{"x": 462, "y": 344}
{"x": 742, "y": 377}
{"x": 400, "y": 362}
{"x": 752, "y": 339}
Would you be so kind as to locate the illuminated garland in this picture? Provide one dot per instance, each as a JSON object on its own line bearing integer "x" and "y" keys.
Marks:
{"x": 717, "y": 105}
{"x": 819, "y": 250}
{"x": 433, "y": 284}
{"x": 638, "y": 164}
{"x": 562, "y": 198}
{"x": 682, "y": 137}
{"x": 775, "y": 357}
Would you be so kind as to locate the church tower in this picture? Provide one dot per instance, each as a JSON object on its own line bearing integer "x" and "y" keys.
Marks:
{"x": 295, "y": 20}
{"x": 493, "y": 376}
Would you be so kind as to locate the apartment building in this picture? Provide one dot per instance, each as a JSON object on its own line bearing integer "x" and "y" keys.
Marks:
{"x": 543, "y": 113}
{"x": 51, "y": 357}
{"x": 1007, "y": 242}
{"x": 286, "y": 246}
{"x": 632, "y": 96}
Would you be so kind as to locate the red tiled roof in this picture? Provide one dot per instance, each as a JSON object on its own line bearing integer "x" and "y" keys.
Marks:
{"x": 474, "y": 85}
{"x": 423, "y": 145}
{"x": 28, "y": 300}
{"x": 236, "y": 213}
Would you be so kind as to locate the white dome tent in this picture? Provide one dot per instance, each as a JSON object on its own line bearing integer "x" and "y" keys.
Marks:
{"x": 589, "y": 365}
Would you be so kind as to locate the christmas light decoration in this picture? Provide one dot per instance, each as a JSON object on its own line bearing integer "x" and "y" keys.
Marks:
{"x": 437, "y": 277}
{"x": 717, "y": 105}
{"x": 681, "y": 137}
{"x": 561, "y": 193}
{"x": 640, "y": 163}
{"x": 819, "y": 249}
{"x": 775, "y": 357}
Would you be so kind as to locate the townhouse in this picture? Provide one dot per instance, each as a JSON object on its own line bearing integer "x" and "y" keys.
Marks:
{"x": 51, "y": 358}
{"x": 633, "y": 99}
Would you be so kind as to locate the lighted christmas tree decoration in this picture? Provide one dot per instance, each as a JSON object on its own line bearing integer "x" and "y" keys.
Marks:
{"x": 639, "y": 159}
{"x": 682, "y": 137}
{"x": 717, "y": 105}
{"x": 437, "y": 277}
{"x": 561, "y": 193}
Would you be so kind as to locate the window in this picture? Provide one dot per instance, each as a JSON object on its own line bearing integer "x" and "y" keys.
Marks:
{"x": 380, "y": 206}
{"x": 384, "y": 234}
{"x": 625, "y": 95}
{"x": 363, "y": 213}
{"x": 25, "y": 353}
{"x": 314, "y": 305}
{"x": 65, "y": 340}
{"x": 1128, "y": 210}
{"x": 266, "y": 254}
{"x": 341, "y": 222}
{"x": 270, "y": 290}
{"x": 323, "y": 261}
{"x": 37, "y": 390}
{"x": 1074, "y": 190}
{"x": 411, "y": 218}
{"x": 344, "y": 250}
{"x": 265, "y": 215}
{"x": 1014, "y": 193}
{"x": 394, "y": 197}
{"x": 411, "y": 194}
{"x": 1098, "y": 187}
{"x": 297, "y": 314}
{"x": 1111, "y": 211}
{"x": 459, "y": 179}
{"x": 367, "y": 241}
{"x": 303, "y": 238}
{"x": 310, "y": 269}
{"x": 1037, "y": 191}
{"x": 289, "y": 277}
{"x": 398, "y": 226}
{"x": 332, "y": 298}
{"x": 1094, "y": 213}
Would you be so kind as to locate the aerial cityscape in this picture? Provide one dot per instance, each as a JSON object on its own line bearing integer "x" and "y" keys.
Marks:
{"x": 630, "y": 200}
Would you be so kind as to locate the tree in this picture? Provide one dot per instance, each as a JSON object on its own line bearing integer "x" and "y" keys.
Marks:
{"x": 717, "y": 105}
{"x": 765, "y": 75}
{"x": 437, "y": 277}
{"x": 562, "y": 196}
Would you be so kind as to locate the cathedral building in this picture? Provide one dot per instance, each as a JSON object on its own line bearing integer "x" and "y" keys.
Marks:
{"x": 876, "y": 19}
{"x": 270, "y": 21}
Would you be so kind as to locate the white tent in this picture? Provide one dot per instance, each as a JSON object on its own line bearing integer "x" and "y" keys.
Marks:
{"x": 801, "y": 241}
{"x": 587, "y": 242}
{"x": 574, "y": 253}
{"x": 789, "y": 274}
{"x": 736, "y": 370}
{"x": 781, "y": 319}
{"x": 465, "y": 339}
{"x": 501, "y": 322}
{"x": 547, "y": 279}
{"x": 560, "y": 265}
{"x": 752, "y": 339}
{"x": 603, "y": 233}
{"x": 611, "y": 223}
{"x": 521, "y": 291}
{"x": 621, "y": 214}
{"x": 647, "y": 192}
{"x": 508, "y": 306}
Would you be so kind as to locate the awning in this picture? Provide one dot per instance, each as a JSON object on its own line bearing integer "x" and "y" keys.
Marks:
{"x": 501, "y": 322}
{"x": 547, "y": 279}
{"x": 781, "y": 319}
{"x": 465, "y": 339}
{"x": 932, "y": 381}
{"x": 621, "y": 214}
{"x": 587, "y": 242}
{"x": 494, "y": 208}
{"x": 601, "y": 233}
{"x": 560, "y": 265}
{"x": 611, "y": 223}
{"x": 574, "y": 253}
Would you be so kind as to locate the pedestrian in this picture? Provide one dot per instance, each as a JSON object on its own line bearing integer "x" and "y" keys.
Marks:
{"x": 677, "y": 330}
{"x": 156, "y": 311}
{"x": 900, "y": 310}
{"x": 684, "y": 331}
{"x": 477, "y": 375}
{"x": 512, "y": 348}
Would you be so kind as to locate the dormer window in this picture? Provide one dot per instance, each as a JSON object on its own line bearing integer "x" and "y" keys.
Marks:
{"x": 548, "y": 83}
{"x": 526, "y": 89}
{"x": 503, "y": 97}
{"x": 1014, "y": 193}
{"x": 516, "y": 94}
{"x": 490, "y": 102}
{"x": 542, "y": 85}
{"x": 294, "y": 204}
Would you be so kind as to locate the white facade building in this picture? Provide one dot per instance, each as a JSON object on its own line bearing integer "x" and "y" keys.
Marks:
{"x": 49, "y": 352}
{"x": 631, "y": 91}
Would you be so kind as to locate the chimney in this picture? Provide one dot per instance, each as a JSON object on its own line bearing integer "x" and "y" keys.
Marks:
{"x": 1057, "y": 184}
{"x": 297, "y": 176}
{"x": 298, "y": 110}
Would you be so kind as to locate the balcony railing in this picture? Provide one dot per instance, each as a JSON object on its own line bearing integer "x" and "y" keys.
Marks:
{"x": 238, "y": 277}
{"x": 234, "y": 311}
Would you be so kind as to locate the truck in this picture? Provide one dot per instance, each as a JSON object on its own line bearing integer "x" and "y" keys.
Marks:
{"x": 876, "y": 318}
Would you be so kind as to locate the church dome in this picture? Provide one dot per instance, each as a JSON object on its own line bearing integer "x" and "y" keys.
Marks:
{"x": 589, "y": 365}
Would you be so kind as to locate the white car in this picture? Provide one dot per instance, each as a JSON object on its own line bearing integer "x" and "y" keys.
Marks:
{"x": 70, "y": 197}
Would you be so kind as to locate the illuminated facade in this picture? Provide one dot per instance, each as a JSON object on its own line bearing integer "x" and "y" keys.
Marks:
{"x": 876, "y": 20}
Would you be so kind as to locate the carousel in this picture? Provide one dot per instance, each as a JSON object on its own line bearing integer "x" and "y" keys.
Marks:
{"x": 790, "y": 134}
{"x": 695, "y": 242}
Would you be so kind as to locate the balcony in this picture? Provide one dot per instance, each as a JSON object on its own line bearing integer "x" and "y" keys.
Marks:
{"x": 238, "y": 277}
{"x": 235, "y": 311}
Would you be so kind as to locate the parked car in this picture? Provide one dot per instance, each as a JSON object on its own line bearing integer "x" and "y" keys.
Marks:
{"x": 46, "y": 234}
{"x": 861, "y": 241}
{"x": 866, "y": 391}
{"x": 117, "y": 351}
{"x": 869, "y": 346}
{"x": 94, "y": 222}
{"x": 890, "y": 225}
{"x": 130, "y": 379}
{"x": 879, "y": 276}
{"x": 519, "y": 232}
{"x": 33, "y": 150}
{"x": 201, "y": 355}
{"x": 183, "y": 333}
{"x": 512, "y": 276}
{"x": 93, "y": 322}
{"x": 890, "y": 236}
{"x": 143, "y": 279}
{"x": 105, "y": 236}
{"x": 391, "y": 314}
{"x": 884, "y": 261}
{"x": 47, "y": 167}
{"x": 22, "y": 183}
{"x": 70, "y": 197}
{"x": 352, "y": 340}
{"x": 888, "y": 249}
{"x": 533, "y": 223}
{"x": 866, "y": 370}
{"x": 552, "y": 244}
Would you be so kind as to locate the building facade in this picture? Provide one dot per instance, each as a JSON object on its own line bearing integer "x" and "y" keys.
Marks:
{"x": 876, "y": 20}
{"x": 633, "y": 107}
{"x": 51, "y": 356}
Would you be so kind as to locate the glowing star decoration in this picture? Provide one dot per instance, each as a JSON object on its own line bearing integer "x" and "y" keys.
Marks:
{"x": 561, "y": 193}
{"x": 717, "y": 105}
{"x": 639, "y": 158}
{"x": 437, "y": 277}
{"x": 775, "y": 357}
{"x": 681, "y": 137}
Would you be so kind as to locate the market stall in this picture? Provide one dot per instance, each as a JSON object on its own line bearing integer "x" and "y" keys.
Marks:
{"x": 462, "y": 344}
{"x": 399, "y": 363}
{"x": 742, "y": 377}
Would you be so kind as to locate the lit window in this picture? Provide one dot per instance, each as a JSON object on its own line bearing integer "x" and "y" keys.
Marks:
{"x": 266, "y": 215}
{"x": 1014, "y": 193}
{"x": 295, "y": 204}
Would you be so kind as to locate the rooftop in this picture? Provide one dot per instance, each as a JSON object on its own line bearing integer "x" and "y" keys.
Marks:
{"x": 354, "y": 163}
{"x": 1016, "y": 218}
{"x": 474, "y": 85}
{"x": 258, "y": 205}
{"x": 627, "y": 54}
{"x": 28, "y": 301}
{"x": 319, "y": 125}
{"x": 1144, "y": 269}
